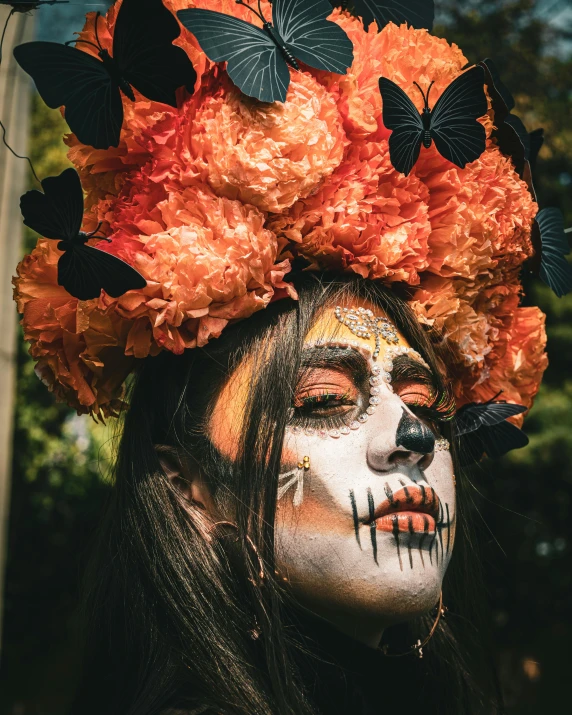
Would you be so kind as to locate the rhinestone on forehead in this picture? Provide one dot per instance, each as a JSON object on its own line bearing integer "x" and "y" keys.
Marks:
{"x": 379, "y": 374}
{"x": 363, "y": 323}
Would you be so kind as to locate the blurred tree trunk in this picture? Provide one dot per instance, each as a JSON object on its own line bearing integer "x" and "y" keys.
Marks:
{"x": 14, "y": 113}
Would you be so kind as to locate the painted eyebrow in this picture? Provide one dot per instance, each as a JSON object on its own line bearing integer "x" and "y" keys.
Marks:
{"x": 406, "y": 367}
{"x": 347, "y": 360}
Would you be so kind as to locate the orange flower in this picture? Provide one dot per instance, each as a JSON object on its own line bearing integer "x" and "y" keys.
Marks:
{"x": 78, "y": 348}
{"x": 481, "y": 215}
{"x": 368, "y": 218}
{"x": 206, "y": 198}
{"x": 269, "y": 155}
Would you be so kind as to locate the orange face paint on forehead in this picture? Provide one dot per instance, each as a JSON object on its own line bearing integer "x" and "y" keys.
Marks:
{"x": 226, "y": 422}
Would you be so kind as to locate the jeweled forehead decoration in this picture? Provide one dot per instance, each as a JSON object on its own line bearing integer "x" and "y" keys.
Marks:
{"x": 364, "y": 324}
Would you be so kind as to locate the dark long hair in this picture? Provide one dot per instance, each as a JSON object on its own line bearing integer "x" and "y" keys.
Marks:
{"x": 168, "y": 613}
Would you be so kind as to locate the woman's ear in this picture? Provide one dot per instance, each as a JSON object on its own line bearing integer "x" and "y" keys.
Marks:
{"x": 186, "y": 477}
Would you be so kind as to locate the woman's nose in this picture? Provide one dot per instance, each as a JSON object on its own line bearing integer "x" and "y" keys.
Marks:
{"x": 402, "y": 440}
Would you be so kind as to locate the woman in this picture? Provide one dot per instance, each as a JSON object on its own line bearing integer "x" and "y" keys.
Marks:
{"x": 320, "y": 334}
{"x": 354, "y": 531}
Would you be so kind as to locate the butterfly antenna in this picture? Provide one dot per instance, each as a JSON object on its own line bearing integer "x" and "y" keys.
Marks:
{"x": 425, "y": 96}
{"x": 27, "y": 158}
{"x": 428, "y": 90}
{"x": 4, "y": 32}
{"x": 499, "y": 393}
{"x": 93, "y": 234}
{"x": 258, "y": 14}
{"x": 97, "y": 16}
{"x": 98, "y": 47}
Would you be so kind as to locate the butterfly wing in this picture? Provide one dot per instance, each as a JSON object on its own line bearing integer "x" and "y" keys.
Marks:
{"x": 551, "y": 244}
{"x": 144, "y": 51}
{"x": 471, "y": 417}
{"x": 536, "y": 140}
{"x": 513, "y": 141}
{"x": 58, "y": 212}
{"x": 310, "y": 36}
{"x": 471, "y": 449}
{"x": 457, "y": 134}
{"x": 69, "y": 77}
{"x": 416, "y": 13}
{"x": 83, "y": 271}
{"x": 483, "y": 428}
{"x": 502, "y": 99}
{"x": 502, "y": 438}
{"x": 254, "y": 62}
{"x": 401, "y": 116}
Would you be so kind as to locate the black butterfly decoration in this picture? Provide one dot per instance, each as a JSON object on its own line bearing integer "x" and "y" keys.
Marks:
{"x": 511, "y": 135}
{"x": 482, "y": 428}
{"x": 82, "y": 270}
{"x": 416, "y": 13}
{"x": 451, "y": 124}
{"x": 551, "y": 248}
{"x": 90, "y": 87}
{"x": 536, "y": 140}
{"x": 257, "y": 59}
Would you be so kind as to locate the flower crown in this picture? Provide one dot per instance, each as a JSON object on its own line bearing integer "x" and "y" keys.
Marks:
{"x": 211, "y": 199}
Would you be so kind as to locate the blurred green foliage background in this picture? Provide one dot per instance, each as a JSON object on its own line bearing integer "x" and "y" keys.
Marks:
{"x": 61, "y": 462}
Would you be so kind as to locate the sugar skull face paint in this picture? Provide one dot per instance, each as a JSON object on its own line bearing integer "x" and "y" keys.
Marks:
{"x": 366, "y": 539}
{"x": 366, "y": 511}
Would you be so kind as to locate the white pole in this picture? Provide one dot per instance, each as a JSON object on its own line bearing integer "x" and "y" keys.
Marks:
{"x": 14, "y": 112}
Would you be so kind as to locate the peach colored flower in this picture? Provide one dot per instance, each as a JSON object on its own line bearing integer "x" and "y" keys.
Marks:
{"x": 368, "y": 218}
{"x": 207, "y": 260}
{"x": 481, "y": 216}
{"x": 400, "y": 53}
{"x": 269, "y": 155}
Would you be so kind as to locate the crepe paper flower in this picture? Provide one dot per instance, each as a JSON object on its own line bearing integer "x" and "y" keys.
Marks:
{"x": 78, "y": 348}
{"x": 481, "y": 216}
{"x": 269, "y": 155}
{"x": 403, "y": 55}
{"x": 368, "y": 218}
{"x": 498, "y": 346}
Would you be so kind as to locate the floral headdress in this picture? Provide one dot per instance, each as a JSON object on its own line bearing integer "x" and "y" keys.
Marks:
{"x": 211, "y": 200}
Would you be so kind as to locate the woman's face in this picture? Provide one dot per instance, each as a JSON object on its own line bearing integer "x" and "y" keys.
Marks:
{"x": 366, "y": 502}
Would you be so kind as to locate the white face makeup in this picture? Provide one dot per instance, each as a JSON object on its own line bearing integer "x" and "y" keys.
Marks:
{"x": 366, "y": 509}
